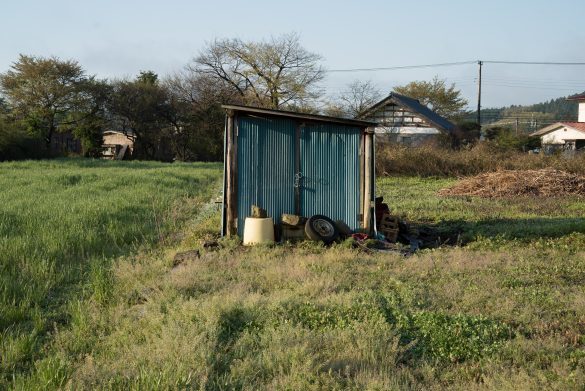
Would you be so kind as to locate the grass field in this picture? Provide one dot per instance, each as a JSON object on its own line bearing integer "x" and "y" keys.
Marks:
{"x": 110, "y": 310}
{"x": 62, "y": 223}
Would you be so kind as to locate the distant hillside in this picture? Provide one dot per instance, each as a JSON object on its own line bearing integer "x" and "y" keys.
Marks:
{"x": 531, "y": 117}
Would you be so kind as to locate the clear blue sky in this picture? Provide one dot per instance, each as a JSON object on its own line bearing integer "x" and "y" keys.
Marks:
{"x": 120, "y": 38}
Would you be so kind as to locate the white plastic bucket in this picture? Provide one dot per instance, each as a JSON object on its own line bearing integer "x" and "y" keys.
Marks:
{"x": 257, "y": 230}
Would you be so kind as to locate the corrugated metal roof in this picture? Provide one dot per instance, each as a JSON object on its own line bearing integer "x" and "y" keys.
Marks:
{"x": 292, "y": 114}
{"x": 416, "y": 107}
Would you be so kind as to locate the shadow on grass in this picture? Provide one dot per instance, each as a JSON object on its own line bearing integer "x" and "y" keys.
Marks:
{"x": 461, "y": 232}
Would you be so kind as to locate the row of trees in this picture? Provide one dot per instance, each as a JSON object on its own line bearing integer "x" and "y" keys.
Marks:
{"x": 180, "y": 116}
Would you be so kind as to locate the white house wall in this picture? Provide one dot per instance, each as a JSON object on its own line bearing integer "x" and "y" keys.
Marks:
{"x": 405, "y": 130}
{"x": 581, "y": 112}
{"x": 560, "y": 135}
{"x": 394, "y": 114}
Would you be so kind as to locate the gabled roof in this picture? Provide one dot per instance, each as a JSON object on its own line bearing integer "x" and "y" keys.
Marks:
{"x": 580, "y": 126}
{"x": 416, "y": 107}
{"x": 577, "y": 97}
{"x": 291, "y": 114}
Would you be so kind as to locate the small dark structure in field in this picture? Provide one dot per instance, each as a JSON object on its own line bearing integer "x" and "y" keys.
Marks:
{"x": 64, "y": 144}
{"x": 293, "y": 163}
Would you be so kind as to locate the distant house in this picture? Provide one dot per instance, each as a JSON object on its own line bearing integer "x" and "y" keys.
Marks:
{"x": 406, "y": 121}
{"x": 117, "y": 145}
{"x": 565, "y": 135}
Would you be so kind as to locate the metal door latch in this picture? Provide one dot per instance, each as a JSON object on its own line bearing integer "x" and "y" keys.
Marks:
{"x": 298, "y": 178}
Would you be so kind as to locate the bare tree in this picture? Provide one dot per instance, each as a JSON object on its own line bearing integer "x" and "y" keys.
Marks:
{"x": 357, "y": 97}
{"x": 275, "y": 73}
{"x": 199, "y": 120}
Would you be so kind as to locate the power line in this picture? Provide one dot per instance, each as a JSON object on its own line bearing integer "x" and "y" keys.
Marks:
{"x": 533, "y": 63}
{"x": 532, "y": 87}
{"x": 445, "y": 64}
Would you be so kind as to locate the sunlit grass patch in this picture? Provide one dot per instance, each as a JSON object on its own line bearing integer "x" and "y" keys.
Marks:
{"x": 502, "y": 310}
{"x": 61, "y": 224}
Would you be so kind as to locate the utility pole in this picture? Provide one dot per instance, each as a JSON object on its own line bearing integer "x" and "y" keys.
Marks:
{"x": 481, "y": 137}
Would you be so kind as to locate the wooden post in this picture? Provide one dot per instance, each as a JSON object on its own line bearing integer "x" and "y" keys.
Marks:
{"x": 481, "y": 133}
{"x": 362, "y": 180}
{"x": 368, "y": 160}
{"x": 232, "y": 176}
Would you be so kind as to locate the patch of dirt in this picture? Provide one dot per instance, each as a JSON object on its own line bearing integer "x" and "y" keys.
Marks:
{"x": 513, "y": 183}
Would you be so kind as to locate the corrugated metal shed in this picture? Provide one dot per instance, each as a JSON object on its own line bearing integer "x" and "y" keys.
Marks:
{"x": 304, "y": 164}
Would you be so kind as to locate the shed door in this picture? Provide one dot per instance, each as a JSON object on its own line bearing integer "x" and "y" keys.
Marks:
{"x": 330, "y": 167}
{"x": 266, "y": 168}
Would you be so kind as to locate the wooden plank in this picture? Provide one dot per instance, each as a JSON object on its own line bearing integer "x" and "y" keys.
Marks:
{"x": 231, "y": 166}
{"x": 368, "y": 158}
{"x": 362, "y": 178}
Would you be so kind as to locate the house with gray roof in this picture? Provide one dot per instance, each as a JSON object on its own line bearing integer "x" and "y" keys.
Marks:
{"x": 405, "y": 120}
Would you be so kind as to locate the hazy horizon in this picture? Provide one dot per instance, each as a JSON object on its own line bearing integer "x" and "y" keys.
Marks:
{"x": 113, "y": 40}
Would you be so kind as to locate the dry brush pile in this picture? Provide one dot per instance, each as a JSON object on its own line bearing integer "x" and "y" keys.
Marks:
{"x": 512, "y": 183}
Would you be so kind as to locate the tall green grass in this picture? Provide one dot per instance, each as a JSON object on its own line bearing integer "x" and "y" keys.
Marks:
{"x": 61, "y": 224}
{"x": 503, "y": 312}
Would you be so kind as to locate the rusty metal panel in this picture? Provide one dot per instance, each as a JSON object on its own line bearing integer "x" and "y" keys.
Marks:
{"x": 266, "y": 160}
{"x": 330, "y": 167}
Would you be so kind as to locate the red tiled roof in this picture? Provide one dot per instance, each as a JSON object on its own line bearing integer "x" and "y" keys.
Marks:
{"x": 580, "y": 126}
{"x": 576, "y": 125}
{"x": 577, "y": 97}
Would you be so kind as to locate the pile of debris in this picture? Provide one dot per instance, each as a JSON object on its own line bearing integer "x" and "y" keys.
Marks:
{"x": 392, "y": 233}
{"x": 512, "y": 183}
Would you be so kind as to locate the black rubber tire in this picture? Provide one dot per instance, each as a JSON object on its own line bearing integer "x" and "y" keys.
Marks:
{"x": 321, "y": 229}
{"x": 343, "y": 229}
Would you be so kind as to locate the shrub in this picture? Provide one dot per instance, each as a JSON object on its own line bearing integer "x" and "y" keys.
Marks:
{"x": 433, "y": 161}
{"x": 17, "y": 144}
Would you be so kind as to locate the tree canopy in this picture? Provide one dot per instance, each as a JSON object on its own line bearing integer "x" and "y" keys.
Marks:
{"x": 276, "y": 73}
{"x": 43, "y": 92}
{"x": 141, "y": 108}
{"x": 444, "y": 99}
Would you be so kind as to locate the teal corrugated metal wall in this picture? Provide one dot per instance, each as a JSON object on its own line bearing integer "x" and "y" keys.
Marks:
{"x": 330, "y": 166}
{"x": 266, "y": 166}
{"x": 331, "y": 172}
